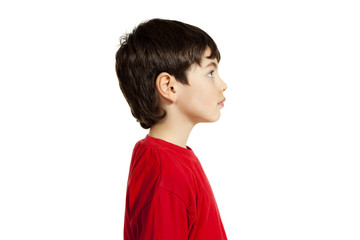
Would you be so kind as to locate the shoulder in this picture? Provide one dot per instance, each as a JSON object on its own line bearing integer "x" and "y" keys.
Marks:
{"x": 147, "y": 152}
{"x": 144, "y": 175}
{"x": 170, "y": 168}
{"x": 177, "y": 177}
{"x": 145, "y": 164}
{"x": 153, "y": 167}
{"x": 167, "y": 163}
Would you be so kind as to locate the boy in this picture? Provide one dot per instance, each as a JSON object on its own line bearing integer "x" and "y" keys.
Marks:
{"x": 167, "y": 71}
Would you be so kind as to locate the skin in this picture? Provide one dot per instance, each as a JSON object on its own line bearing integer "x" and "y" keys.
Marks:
{"x": 188, "y": 105}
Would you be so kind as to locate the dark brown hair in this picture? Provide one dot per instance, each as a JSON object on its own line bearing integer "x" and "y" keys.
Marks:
{"x": 154, "y": 47}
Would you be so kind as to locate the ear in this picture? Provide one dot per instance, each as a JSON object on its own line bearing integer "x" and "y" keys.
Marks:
{"x": 165, "y": 85}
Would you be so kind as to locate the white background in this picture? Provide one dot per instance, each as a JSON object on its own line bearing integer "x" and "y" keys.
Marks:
{"x": 283, "y": 160}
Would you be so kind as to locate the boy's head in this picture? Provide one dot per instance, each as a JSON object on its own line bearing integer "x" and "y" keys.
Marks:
{"x": 154, "y": 47}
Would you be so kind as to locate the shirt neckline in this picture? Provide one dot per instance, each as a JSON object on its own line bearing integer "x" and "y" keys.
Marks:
{"x": 167, "y": 144}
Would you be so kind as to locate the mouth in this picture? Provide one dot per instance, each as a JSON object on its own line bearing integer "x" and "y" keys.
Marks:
{"x": 222, "y": 102}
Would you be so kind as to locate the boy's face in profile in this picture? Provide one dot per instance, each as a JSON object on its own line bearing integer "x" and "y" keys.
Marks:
{"x": 203, "y": 98}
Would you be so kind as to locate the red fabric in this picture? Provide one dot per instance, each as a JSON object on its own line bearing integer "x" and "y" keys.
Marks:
{"x": 168, "y": 195}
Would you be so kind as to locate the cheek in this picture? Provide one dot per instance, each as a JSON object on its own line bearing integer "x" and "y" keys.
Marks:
{"x": 202, "y": 95}
{"x": 209, "y": 95}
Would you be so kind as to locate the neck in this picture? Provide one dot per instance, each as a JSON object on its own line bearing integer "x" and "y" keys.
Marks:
{"x": 171, "y": 131}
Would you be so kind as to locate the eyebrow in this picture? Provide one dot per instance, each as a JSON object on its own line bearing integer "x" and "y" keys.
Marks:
{"x": 212, "y": 64}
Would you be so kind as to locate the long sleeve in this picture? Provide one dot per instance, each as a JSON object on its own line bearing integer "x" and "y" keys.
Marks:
{"x": 165, "y": 217}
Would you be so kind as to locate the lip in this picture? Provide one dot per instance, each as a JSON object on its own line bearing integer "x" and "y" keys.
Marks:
{"x": 222, "y": 102}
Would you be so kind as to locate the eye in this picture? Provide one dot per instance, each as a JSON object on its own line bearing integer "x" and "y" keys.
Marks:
{"x": 211, "y": 74}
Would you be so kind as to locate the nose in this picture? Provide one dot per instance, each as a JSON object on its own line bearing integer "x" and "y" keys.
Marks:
{"x": 223, "y": 85}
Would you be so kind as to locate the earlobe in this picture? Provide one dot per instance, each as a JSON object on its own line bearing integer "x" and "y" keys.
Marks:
{"x": 165, "y": 86}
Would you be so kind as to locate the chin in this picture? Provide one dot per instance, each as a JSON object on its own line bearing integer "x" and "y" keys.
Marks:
{"x": 212, "y": 119}
{"x": 217, "y": 119}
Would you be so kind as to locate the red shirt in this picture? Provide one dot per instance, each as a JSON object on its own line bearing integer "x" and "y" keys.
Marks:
{"x": 169, "y": 196}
